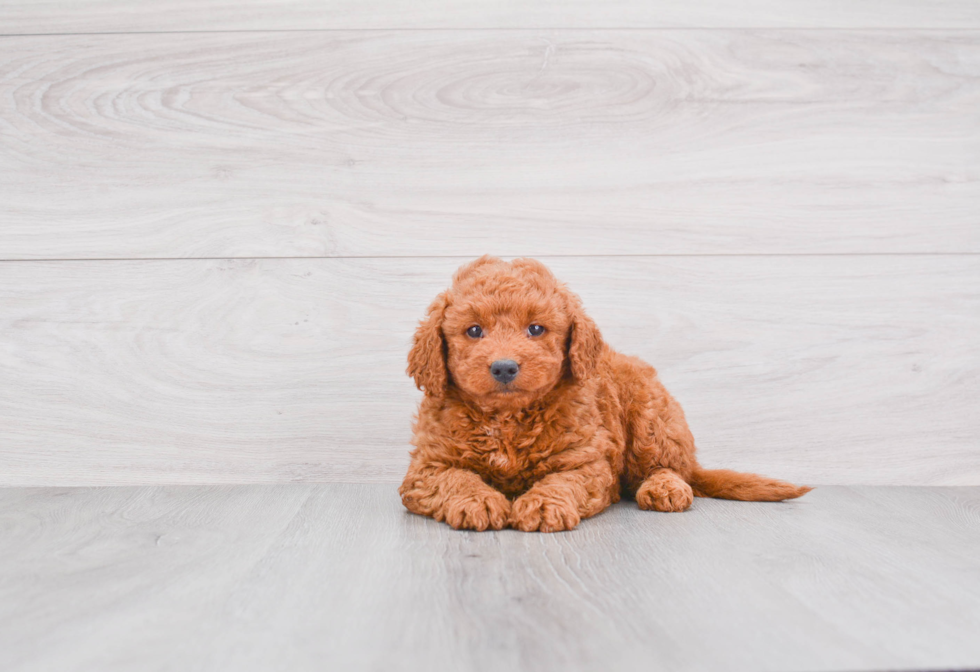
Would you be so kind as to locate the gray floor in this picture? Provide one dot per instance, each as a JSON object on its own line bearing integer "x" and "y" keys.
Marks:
{"x": 331, "y": 577}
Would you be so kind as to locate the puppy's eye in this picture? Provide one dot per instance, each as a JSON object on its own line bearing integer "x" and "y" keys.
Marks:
{"x": 535, "y": 330}
{"x": 474, "y": 331}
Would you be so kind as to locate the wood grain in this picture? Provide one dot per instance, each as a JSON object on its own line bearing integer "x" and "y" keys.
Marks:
{"x": 101, "y": 16}
{"x": 314, "y": 577}
{"x": 818, "y": 369}
{"x": 461, "y": 142}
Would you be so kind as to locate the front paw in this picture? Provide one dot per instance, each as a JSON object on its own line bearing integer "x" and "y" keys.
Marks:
{"x": 476, "y": 510}
{"x": 534, "y": 511}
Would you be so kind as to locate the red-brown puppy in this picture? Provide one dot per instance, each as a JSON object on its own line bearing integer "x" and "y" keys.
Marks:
{"x": 530, "y": 420}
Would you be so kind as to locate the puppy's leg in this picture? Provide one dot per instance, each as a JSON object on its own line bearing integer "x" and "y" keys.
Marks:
{"x": 664, "y": 490}
{"x": 560, "y": 500}
{"x": 660, "y": 458}
{"x": 456, "y": 496}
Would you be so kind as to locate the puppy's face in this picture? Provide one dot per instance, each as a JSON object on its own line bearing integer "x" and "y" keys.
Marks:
{"x": 504, "y": 334}
{"x": 505, "y": 338}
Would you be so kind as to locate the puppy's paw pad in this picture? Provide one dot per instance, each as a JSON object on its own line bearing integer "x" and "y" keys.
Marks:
{"x": 477, "y": 511}
{"x": 665, "y": 491}
{"x": 533, "y": 512}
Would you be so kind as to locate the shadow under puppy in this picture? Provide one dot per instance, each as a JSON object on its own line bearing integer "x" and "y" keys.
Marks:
{"x": 530, "y": 420}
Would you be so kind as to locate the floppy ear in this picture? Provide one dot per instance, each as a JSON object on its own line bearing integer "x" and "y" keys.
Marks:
{"x": 427, "y": 358}
{"x": 584, "y": 341}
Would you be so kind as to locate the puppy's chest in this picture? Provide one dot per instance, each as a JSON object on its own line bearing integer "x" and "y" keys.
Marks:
{"x": 505, "y": 450}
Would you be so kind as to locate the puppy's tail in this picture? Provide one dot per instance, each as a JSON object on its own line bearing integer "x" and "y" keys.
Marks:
{"x": 725, "y": 484}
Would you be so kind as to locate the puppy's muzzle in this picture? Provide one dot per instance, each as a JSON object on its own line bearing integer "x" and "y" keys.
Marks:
{"x": 504, "y": 370}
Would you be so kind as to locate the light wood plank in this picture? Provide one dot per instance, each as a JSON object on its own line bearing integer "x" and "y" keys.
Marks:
{"x": 817, "y": 369}
{"x": 313, "y": 577}
{"x": 522, "y": 142}
{"x": 59, "y": 16}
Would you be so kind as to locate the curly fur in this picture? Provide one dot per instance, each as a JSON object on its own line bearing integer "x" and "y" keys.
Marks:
{"x": 579, "y": 426}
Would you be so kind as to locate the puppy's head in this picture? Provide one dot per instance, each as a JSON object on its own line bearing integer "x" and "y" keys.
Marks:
{"x": 504, "y": 334}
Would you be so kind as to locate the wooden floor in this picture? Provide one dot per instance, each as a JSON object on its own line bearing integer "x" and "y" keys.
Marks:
{"x": 341, "y": 577}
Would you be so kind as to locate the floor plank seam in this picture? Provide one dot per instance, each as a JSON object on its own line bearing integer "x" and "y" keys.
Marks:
{"x": 271, "y": 31}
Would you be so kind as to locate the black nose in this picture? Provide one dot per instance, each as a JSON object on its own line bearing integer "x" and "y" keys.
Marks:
{"x": 504, "y": 370}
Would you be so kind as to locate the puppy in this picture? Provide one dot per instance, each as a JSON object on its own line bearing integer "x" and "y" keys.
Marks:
{"x": 530, "y": 420}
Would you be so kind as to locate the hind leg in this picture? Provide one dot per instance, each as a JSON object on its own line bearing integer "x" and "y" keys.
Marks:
{"x": 659, "y": 457}
{"x": 664, "y": 490}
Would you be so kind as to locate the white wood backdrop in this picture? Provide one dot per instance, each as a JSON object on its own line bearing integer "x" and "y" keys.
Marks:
{"x": 458, "y": 142}
{"x": 59, "y": 16}
{"x": 214, "y": 245}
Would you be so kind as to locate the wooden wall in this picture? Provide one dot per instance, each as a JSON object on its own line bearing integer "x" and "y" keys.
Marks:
{"x": 218, "y": 226}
